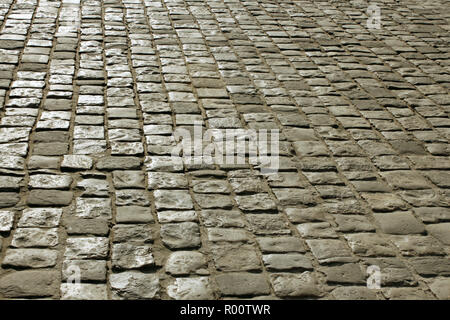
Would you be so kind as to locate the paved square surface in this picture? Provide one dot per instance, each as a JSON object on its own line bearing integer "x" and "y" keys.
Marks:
{"x": 94, "y": 204}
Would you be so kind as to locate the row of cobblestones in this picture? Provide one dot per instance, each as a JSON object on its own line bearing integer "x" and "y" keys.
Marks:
{"x": 94, "y": 204}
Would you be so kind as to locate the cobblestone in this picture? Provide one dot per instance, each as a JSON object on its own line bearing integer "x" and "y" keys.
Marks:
{"x": 94, "y": 184}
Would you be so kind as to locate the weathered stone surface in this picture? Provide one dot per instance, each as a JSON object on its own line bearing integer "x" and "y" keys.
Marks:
{"x": 181, "y": 235}
{"x": 90, "y": 208}
{"x": 6, "y": 220}
{"x": 353, "y": 293}
{"x": 208, "y": 201}
{"x": 399, "y": 223}
{"x": 406, "y": 294}
{"x": 414, "y": 245}
{"x": 76, "y": 162}
{"x": 191, "y": 289}
{"x": 93, "y": 187}
{"x": 393, "y": 271}
{"x": 429, "y": 266}
{"x": 287, "y": 261}
{"x": 440, "y": 231}
{"x": 132, "y": 232}
{"x": 330, "y": 250}
{"x": 348, "y": 273}
{"x": 316, "y": 230}
{"x": 369, "y": 245}
{"x": 81, "y": 226}
{"x": 177, "y": 216}
{"x": 118, "y": 163}
{"x": 173, "y": 199}
{"x": 441, "y": 288}
{"x": 128, "y": 179}
{"x": 29, "y": 283}
{"x": 40, "y": 217}
{"x": 235, "y": 257}
{"x": 131, "y": 197}
{"x": 83, "y": 291}
{"x": 256, "y": 202}
{"x": 50, "y": 181}
{"x": 280, "y": 244}
{"x": 186, "y": 262}
{"x": 292, "y": 197}
{"x": 134, "y": 285}
{"x": 294, "y": 285}
{"x": 267, "y": 224}
{"x": 242, "y": 284}
{"x": 222, "y": 218}
{"x": 166, "y": 180}
{"x": 406, "y": 179}
{"x": 131, "y": 256}
{"x": 89, "y": 270}
{"x": 86, "y": 248}
{"x": 49, "y": 198}
{"x": 210, "y": 186}
{"x": 353, "y": 223}
{"x": 30, "y": 258}
{"x": 35, "y": 237}
{"x": 134, "y": 214}
{"x": 243, "y": 139}
{"x": 227, "y": 234}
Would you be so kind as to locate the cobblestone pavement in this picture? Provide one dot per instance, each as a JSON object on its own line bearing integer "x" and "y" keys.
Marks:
{"x": 92, "y": 90}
